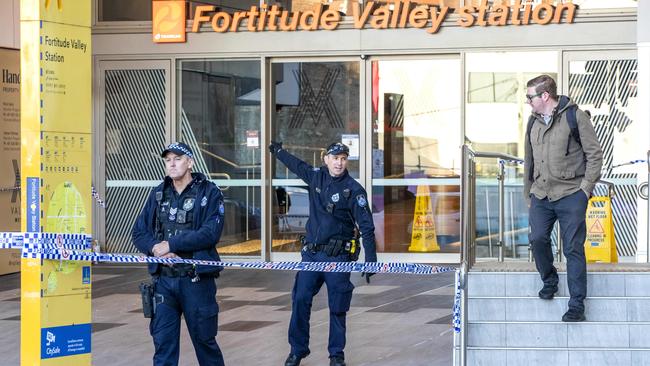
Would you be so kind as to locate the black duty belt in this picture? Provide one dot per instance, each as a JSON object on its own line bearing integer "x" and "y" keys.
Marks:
{"x": 333, "y": 248}
{"x": 178, "y": 270}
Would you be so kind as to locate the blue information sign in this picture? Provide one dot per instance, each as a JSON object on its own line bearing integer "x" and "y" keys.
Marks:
{"x": 33, "y": 205}
{"x": 67, "y": 340}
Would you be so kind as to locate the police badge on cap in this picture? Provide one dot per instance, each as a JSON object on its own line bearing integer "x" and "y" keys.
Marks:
{"x": 338, "y": 148}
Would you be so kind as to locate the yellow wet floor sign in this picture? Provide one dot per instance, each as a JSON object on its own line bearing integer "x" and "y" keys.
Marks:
{"x": 600, "y": 245}
{"x": 423, "y": 235}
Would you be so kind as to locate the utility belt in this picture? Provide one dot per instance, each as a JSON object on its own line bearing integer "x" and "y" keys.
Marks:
{"x": 334, "y": 247}
{"x": 177, "y": 270}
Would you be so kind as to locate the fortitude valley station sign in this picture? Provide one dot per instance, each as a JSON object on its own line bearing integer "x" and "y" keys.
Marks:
{"x": 399, "y": 14}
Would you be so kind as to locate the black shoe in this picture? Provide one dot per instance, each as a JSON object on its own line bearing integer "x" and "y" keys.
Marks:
{"x": 294, "y": 360}
{"x": 573, "y": 315}
{"x": 547, "y": 292}
{"x": 337, "y": 361}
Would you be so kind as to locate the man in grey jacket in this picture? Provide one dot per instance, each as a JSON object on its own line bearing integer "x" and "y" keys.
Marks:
{"x": 560, "y": 172}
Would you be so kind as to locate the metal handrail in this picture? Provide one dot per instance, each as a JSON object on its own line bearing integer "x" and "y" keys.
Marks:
{"x": 468, "y": 224}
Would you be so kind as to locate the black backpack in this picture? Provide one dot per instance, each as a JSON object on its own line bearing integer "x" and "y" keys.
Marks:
{"x": 573, "y": 125}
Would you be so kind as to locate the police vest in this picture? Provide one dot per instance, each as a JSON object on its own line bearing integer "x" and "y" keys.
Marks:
{"x": 175, "y": 214}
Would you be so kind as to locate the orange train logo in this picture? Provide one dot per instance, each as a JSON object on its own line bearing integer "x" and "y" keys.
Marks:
{"x": 59, "y": 4}
{"x": 168, "y": 20}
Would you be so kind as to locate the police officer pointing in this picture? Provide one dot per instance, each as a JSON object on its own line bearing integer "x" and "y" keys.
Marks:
{"x": 338, "y": 210}
{"x": 183, "y": 217}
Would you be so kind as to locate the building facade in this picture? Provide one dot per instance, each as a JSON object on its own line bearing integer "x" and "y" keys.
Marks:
{"x": 404, "y": 98}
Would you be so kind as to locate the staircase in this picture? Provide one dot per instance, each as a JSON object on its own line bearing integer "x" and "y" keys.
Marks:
{"x": 507, "y": 324}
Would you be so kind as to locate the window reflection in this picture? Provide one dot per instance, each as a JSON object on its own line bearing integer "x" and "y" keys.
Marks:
{"x": 415, "y": 155}
{"x": 496, "y": 114}
{"x": 316, "y": 104}
{"x": 220, "y": 119}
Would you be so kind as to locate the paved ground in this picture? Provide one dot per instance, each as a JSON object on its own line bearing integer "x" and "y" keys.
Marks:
{"x": 396, "y": 320}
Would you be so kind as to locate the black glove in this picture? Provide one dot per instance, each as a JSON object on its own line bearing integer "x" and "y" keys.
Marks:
{"x": 275, "y": 147}
{"x": 367, "y": 275}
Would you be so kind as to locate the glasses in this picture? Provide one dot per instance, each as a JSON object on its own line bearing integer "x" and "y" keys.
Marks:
{"x": 531, "y": 96}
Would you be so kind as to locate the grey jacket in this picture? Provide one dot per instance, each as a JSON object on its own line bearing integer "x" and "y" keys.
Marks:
{"x": 556, "y": 174}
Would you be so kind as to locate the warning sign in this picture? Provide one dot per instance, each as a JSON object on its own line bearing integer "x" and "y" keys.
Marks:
{"x": 600, "y": 245}
{"x": 423, "y": 235}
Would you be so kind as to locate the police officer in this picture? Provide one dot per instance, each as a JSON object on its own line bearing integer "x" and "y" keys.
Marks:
{"x": 183, "y": 217}
{"x": 337, "y": 204}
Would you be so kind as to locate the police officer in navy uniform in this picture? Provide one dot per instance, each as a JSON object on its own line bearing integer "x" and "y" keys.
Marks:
{"x": 183, "y": 217}
{"x": 338, "y": 209}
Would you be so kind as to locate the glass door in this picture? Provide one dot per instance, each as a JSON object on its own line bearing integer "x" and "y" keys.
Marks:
{"x": 219, "y": 116}
{"x": 313, "y": 104}
{"x": 605, "y": 84}
{"x": 415, "y": 111}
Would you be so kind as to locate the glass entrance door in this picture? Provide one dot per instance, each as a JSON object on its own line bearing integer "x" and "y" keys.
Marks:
{"x": 415, "y": 114}
{"x": 605, "y": 84}
{"x": 313, "y": 104}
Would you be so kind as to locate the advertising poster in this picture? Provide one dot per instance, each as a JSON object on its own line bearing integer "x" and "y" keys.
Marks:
{"x": 9, "y": 154}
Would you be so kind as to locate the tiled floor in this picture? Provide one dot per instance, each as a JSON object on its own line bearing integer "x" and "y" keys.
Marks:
{"x": 396, "y": 320}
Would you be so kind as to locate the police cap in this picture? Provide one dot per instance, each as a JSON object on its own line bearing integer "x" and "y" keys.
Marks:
{"x": 338, "y": 148}
{"x": 178, "y": 148}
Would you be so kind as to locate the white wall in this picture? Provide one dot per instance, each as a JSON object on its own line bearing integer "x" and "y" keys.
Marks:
{"x": 10, "y": 23}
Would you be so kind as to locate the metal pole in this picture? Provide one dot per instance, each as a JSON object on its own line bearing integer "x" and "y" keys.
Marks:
{"x": 502, "y": 216}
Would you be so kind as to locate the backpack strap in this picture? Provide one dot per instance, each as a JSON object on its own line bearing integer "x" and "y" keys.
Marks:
{"x": 529, "y": 127}
{"x": 573, "y": 125}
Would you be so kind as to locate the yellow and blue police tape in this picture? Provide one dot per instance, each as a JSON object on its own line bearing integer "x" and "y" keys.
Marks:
{"x": 73, "y": 247}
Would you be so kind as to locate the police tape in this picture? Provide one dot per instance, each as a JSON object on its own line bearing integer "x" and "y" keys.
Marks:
{"x": 37, "y": 252}
{"x": 456, "y": 316}
{"x": 11, "y": 240}
{"x": 73, "y": 247}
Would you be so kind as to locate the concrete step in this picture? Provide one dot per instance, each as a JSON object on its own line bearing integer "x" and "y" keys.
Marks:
{"x": 559, "y": 335}
{"x": 557, "y": 357}
{"x": 507, "y": 324}
{"x": 533, "y": 309}
{"x": 600, "y": 284}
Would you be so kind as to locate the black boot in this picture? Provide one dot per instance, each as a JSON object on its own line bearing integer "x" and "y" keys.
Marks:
{"x": 337, "y": 361}
{"x": 294, "y": 360}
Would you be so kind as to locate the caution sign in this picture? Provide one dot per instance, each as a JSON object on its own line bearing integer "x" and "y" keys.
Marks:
{"x": 600, "y": 245}
{"x": 423, "y": 235}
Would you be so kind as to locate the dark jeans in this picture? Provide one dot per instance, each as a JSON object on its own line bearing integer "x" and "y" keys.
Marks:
{"x": 570, "y": 212}
{"x": 197, "y": 302}
{"x": 339, "y": 296}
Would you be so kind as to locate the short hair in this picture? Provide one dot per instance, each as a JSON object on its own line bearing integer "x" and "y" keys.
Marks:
{"x": 543, "y": 83}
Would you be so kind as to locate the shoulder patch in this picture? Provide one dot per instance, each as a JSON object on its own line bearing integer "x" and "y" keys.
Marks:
{"x": 222, "y": 209}
{"x": 361, "y": 201}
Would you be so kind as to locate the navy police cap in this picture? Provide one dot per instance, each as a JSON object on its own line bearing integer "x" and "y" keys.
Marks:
{"x": 338, "y": 148}
{"x": 178, "y": 148}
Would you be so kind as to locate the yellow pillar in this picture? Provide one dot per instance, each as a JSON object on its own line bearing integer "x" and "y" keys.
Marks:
{"x": 56, "y": 95}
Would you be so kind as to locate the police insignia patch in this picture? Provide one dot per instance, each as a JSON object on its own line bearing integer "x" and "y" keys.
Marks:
{"x": 222, "y": 210}
{"x": 204, "y": 201}
{"x": 335, "y": 197}
{"x": 361, "y": 200}
{"x": 188, "y": 204}
{"x": 172, "y": 213}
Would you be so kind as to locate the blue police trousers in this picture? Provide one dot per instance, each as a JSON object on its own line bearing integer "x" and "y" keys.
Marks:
{"x": 197, "y": 302}
{"x": 570, "y": 212}
{"x": 339, "y": 296}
